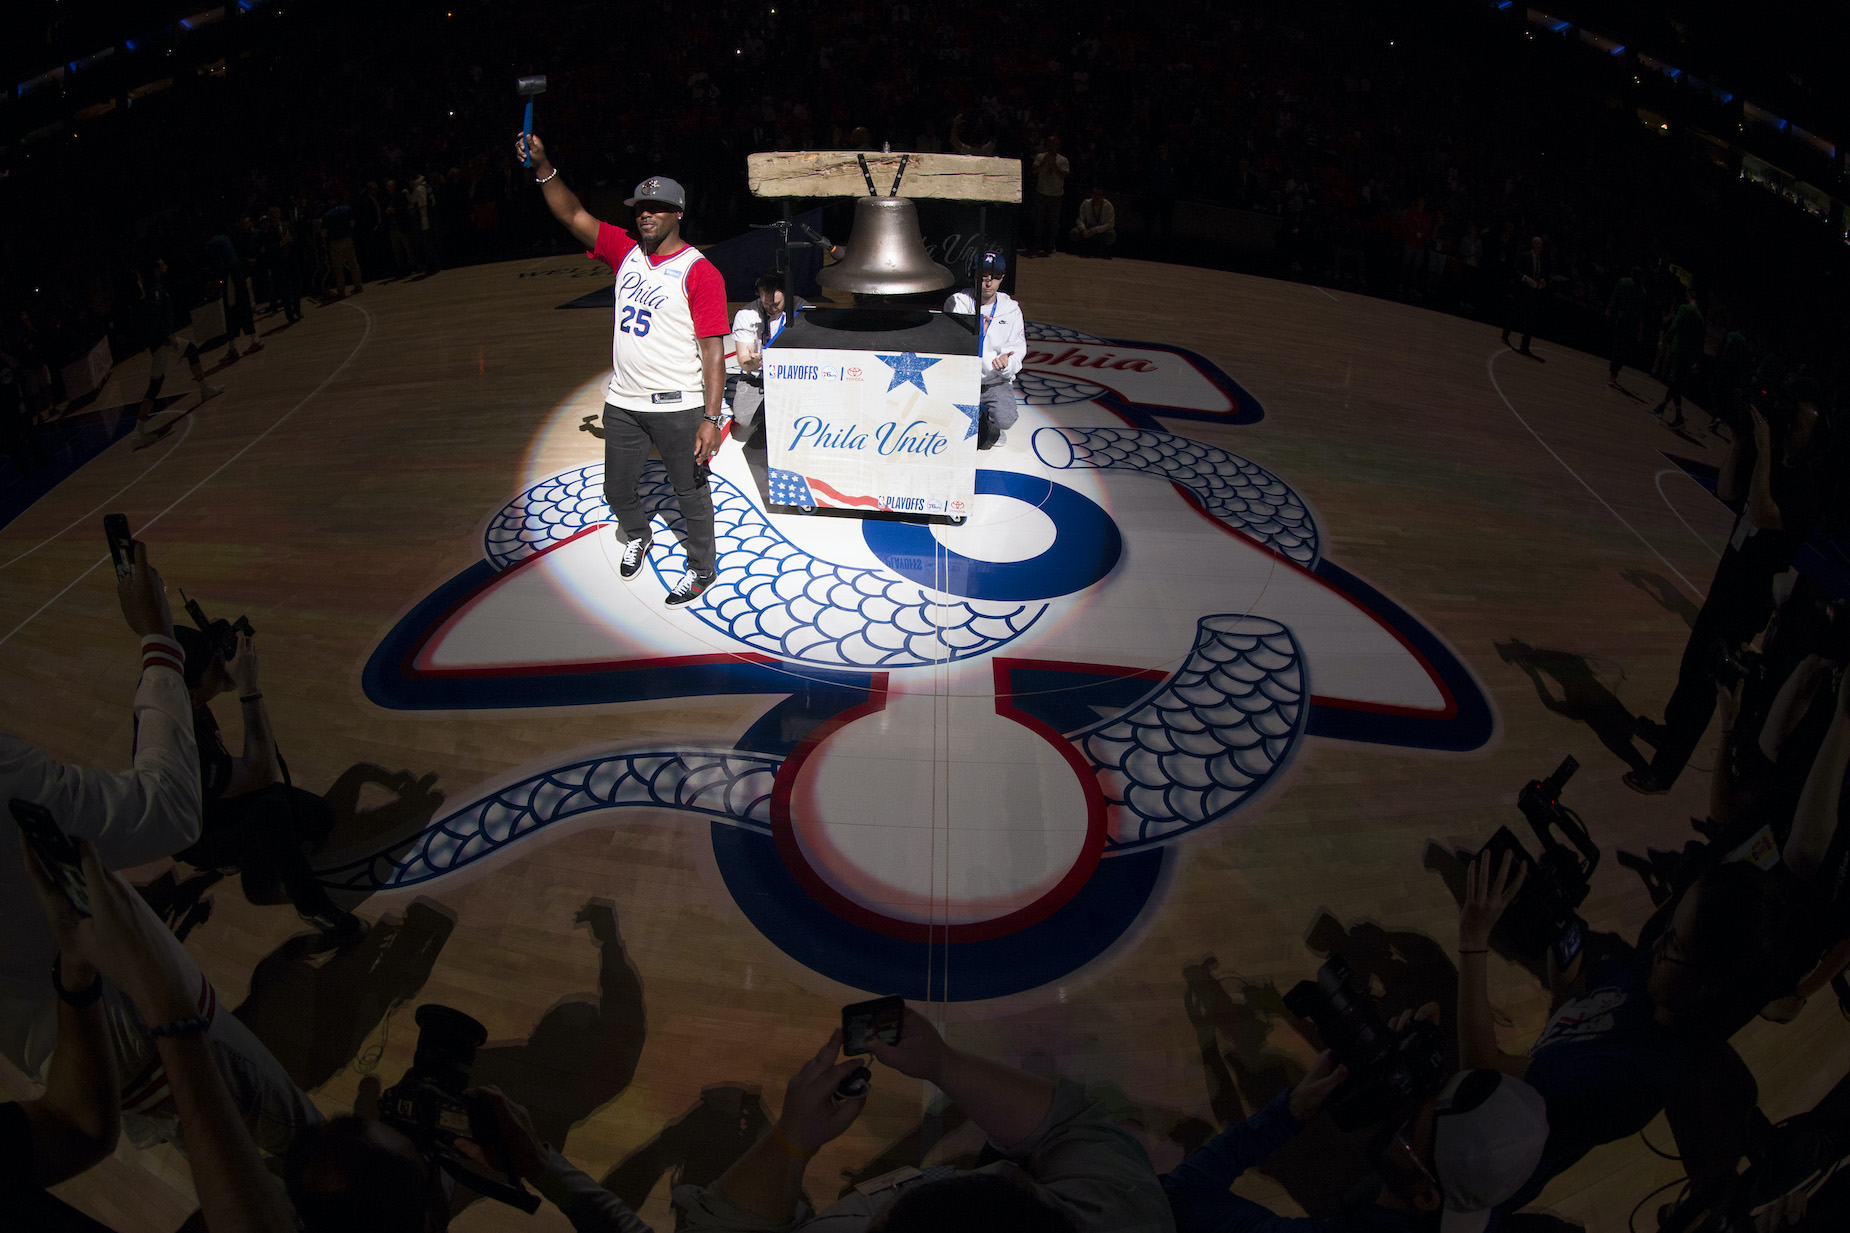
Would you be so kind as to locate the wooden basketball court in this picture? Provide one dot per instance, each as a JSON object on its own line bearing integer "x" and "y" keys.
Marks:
{"x": 655, "y": 852}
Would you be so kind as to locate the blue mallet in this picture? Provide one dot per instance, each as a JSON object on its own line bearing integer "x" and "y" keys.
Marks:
{"x": 527, "y": 87}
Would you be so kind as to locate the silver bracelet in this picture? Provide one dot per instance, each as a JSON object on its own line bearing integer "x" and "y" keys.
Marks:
{"x": 553, "y": 176}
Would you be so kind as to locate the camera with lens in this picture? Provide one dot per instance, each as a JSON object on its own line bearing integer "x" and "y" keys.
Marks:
{"x": 1730, "y": 668}
{"x": 1545, "y": 913}
{"x": 1390, "y": 1075}
{"x": 222, "y": 634}
{"x": 432, "y": 1107}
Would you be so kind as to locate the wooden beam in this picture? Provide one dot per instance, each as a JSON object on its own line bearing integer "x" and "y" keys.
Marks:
{"x": 836, "y": 173}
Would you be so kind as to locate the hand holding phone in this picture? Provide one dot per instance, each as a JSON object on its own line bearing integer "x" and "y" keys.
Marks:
{"x": 143, "y": 596}
{"x": 121, "y": 543}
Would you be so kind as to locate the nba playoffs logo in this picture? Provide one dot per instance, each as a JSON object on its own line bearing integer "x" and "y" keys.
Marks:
{"x": 982, "y": 745}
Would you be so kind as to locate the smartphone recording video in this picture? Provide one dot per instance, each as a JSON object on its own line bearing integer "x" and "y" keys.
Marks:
{"x": 864, "y": 1022}
{"x": 56, "y": 851}
{"x": 121, "y": 543}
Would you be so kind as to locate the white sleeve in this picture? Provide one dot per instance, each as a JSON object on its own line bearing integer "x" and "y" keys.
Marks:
{"x": 134, "y": 816}
{"x": 1008, "y": 332}
{"x": 744, "y": 336}
{"x": 1108, "y": 217}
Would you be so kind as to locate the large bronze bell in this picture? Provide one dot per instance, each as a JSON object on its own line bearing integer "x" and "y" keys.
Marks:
{"x": 886, "y": 254}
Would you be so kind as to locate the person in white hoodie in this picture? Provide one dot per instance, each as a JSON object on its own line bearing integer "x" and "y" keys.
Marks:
{"x": 1005, "y": 343}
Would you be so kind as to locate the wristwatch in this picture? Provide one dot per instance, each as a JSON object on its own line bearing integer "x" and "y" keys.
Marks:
{"x": 718, "y": 421}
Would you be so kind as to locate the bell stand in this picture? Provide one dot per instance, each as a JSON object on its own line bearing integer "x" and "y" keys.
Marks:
{"x": 785, "y": 226}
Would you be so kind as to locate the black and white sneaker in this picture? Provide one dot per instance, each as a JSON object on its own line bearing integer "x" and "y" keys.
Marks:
{"x": 634, "y": 553}
{"x": 689, "y": 588}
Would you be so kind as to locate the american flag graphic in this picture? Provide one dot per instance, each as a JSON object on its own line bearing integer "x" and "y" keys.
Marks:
{"x": 790, "y": 488}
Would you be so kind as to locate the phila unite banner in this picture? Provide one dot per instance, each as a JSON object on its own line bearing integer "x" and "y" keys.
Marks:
{"x": 872, "y": 430}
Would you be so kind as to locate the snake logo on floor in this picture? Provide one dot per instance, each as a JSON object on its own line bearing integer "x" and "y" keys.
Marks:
{"x": 979, "y": 746}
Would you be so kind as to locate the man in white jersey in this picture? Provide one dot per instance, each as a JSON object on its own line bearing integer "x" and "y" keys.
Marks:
{"x": 1005, "y": 345}
{"x": 667, "y": 363}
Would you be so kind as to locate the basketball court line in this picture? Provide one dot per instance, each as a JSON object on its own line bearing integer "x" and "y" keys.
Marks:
{"x": 1673, "y": 509}
{"x": 210, "y": 475}
{"x": 109, "y": 500}
{"x": 1490, "y": 368}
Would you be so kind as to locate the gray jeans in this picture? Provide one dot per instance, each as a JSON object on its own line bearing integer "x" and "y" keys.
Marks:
{"x": 627, "y": 437}
{"x": 998, "y": 398}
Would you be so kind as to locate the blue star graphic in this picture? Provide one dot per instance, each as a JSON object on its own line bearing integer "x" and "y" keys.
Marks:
{"x": 907, "y": 368}
{"x": 973, "y": 412}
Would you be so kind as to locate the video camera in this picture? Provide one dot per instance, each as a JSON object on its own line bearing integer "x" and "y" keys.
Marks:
{"x": 1731, "y": 668}
{"x": 432, "y": 1108}
{"x": 1545, "y": 912}
{"x": 1389, "y": 1075}
{"x": 222, "y": 634}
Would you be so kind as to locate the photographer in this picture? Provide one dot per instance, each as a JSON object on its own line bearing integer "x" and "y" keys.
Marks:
{"x": 252, "y": 818}
{"x": 123, "y": 942}
{"x": 132, "y": 817}
{"x": 1777, "y": 477}
{"x": 1065, "y": 1163}
{"x": 351, "y": 1173}
{"x": 1625, "y": 1022}
{"x": 1464, "y": 1151}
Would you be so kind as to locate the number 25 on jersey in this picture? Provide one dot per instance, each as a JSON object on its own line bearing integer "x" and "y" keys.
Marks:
{"x": 634, "y": 321}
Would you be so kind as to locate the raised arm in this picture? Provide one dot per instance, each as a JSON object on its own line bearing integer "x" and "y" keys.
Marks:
{"x": 1484, "y": 903}
{"x": 1760, "y": 505}
{"x": 75, "y": 1123}
{"x": 767, "y": 1181}
{"x": 153, "y": 810}
{"x": 1007, "y": 1105}
{"x": 1814, "y": 822}
{"x": 258, "y": 766}
{"x": 129, "y": 945}
{"x": 1731, "y": 480}
{"x": 562, "y": 201}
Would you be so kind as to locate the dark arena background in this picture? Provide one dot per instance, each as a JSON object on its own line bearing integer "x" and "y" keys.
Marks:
{"x": 1411, "y": 396}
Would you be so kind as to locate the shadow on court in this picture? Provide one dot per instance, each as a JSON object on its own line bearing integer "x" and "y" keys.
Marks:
{"x": 1567, "y": 685}
{"x": 1664, "y": 592}
{"x": 582, "y": 1053}
{"x": 314, "y": 1006}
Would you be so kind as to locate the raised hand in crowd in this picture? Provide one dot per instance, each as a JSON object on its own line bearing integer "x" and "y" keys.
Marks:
{"x": 1489, "y": 890}
{"x": 767, "y": 1181}
{"x": 144, "y": 597}
{"x": 1006, "y": 1103}
{"x": 133, "y": 950}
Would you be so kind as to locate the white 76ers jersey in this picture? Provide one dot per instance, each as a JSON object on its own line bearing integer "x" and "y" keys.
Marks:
{"x": 654, "y": 352}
